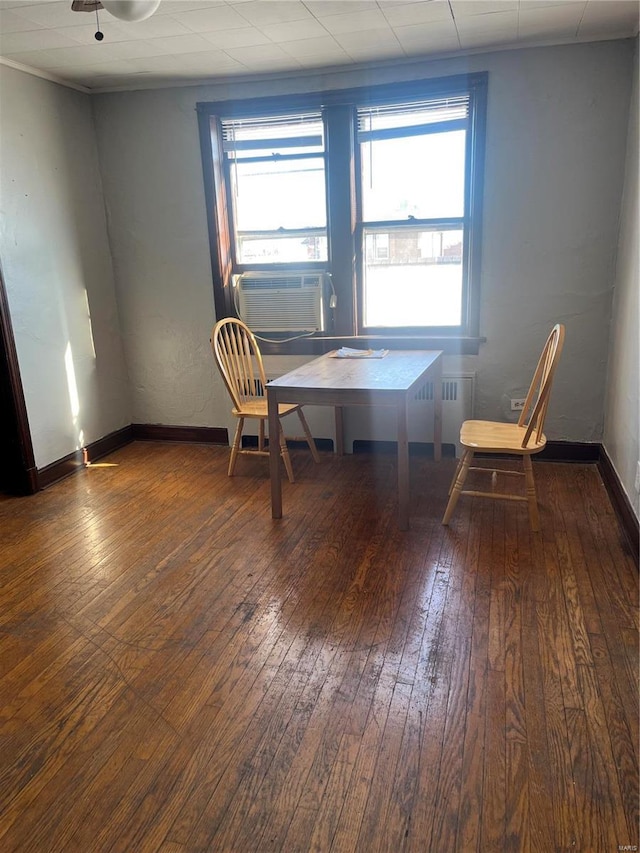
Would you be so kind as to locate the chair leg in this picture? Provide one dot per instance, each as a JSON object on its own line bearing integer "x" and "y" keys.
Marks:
{"x": 532, "y": 500}
{"x": 284, "y": 451}
{"x": 463, "y": 470}
{"x": 236, "y": 447}
{"x": 261, "y": 436}
{"x": 455, "y": 476}
{"x": 307, "y": 432}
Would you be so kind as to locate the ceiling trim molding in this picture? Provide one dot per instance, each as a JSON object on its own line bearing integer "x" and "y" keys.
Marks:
{"x": 44, "y": 75}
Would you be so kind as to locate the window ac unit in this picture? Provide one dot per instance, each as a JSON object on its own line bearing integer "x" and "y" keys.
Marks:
{"x": 281, "y": 302}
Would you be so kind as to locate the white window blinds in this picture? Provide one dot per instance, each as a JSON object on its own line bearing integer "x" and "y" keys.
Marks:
{"x": 405, "y": 119}
{"x": 271, "y": 133}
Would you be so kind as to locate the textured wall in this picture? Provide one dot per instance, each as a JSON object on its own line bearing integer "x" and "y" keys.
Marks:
{"x": 623, "y": 383}
{"x": 57, "y": 267}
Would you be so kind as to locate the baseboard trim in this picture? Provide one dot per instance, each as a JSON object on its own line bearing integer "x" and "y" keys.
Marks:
{"x": 194, "y": 435}
{"x": 60, "y": 469}
{"x": 570, "y": 451}
{"x": 621, "y": 504}
{"x": 73, "y": 461}
{"x": 109, "y": 443}
{"x": 554, "y": 451}
{"x": 251, "y": 441}
{"x": 416, "y": 448}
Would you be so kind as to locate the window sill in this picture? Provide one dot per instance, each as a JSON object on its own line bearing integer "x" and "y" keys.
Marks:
{"x": 317, "y": 345}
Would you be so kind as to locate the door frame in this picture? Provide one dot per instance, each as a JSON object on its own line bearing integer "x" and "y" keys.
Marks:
{"x": 26, "y": 471}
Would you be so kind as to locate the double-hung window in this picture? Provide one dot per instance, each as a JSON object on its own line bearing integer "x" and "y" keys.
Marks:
{"x": 274, "y": 167}
{"x": 412, "y": 213}
{"x": 379, "y": 187}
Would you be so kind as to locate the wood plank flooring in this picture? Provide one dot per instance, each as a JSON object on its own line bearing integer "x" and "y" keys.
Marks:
{"x": 180, "y": 673}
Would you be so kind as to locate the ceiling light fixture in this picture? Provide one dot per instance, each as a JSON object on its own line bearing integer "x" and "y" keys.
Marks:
{"x": 131, "y": 10}
{"x": 125, "y": 10}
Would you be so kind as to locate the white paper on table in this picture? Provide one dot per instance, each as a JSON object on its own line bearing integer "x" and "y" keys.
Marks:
{"x": 348, "y": 352}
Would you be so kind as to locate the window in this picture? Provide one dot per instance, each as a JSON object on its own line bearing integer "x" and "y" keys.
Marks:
{"x": 412, "y": 187}
{"x": 379, "y": 187}
{"x": 275, "y": 174}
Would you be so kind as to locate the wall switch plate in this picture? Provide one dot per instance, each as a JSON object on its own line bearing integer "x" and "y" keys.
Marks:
{"x": 517, "y": 404}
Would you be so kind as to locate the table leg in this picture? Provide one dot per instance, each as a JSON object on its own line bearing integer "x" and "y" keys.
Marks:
{"x": 274, "y": 454}
{"x": 437, "y": 411}
{"x": 403, "y": 465}
{"x": 339, "y": 448}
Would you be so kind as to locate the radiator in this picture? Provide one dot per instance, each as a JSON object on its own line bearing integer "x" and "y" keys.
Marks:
{"x": 379, "y": 423}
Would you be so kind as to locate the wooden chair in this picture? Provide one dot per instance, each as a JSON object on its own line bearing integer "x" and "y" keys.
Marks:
{"x": 239, "y": 360}
{"x": 522, "y": 439}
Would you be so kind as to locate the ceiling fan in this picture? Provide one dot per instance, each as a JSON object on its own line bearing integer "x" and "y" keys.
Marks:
{"x": 126, "y": 10}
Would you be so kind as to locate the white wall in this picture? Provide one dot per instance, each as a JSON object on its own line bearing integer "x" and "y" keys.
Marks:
{"x": 621, "y": 415}
{"x": 154, "y": 193}
{"x": 557, "y": 122}
{"x": 57, "y": 267}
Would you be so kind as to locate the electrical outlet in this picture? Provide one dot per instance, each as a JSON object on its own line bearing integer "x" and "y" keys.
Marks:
{"x": 517, "y": 404}
{"x": 638, "y": 477}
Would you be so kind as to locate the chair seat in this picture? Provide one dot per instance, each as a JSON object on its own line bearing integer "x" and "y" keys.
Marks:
{"x": 495, "y": 437}
{"x": 257, "y": 408}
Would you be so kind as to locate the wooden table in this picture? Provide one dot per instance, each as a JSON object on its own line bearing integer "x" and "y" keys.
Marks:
{"x": 389, "y": 381}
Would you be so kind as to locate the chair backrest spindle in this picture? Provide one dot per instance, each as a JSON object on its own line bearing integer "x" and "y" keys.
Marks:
{"x": 536, "y": 404}
{"x": 239, "y": 360}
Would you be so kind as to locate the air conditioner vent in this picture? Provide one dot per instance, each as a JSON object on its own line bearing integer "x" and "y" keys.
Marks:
{"x": 282, "y": 302}
{"x": 280, "y": 282}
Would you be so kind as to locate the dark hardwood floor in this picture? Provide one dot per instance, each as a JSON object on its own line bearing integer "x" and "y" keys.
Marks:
{"x": 178, "y": 672}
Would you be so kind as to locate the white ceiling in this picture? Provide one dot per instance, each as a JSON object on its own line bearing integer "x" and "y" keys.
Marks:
{"x": 206, "y": 40}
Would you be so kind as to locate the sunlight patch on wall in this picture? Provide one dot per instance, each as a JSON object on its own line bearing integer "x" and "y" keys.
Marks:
{"x": 93, "y": 343}
{"x": 72, "y": 385}
{"x": 74, "y": 399}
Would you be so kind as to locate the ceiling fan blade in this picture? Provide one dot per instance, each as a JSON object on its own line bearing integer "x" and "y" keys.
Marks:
{"x": 86, "y": 5}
